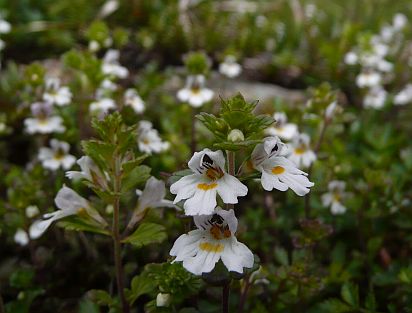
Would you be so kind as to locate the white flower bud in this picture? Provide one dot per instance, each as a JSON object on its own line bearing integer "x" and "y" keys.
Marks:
{"x": 163, "y": 299}
{"x": 235, "y": 135}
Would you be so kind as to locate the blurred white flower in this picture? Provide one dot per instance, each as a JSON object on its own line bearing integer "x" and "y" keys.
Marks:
{"x": 331, "y": 110}
{"x": 152, "y": 196}
{"x": 32, "y": 211}
{"x": 5, "y": 27}
{"x": 213, "y": 240}
{"x": 132, "y": 99}
{"x": 111, "y": 65}
{"x": 301, "y": 154}
{"x": 230, "y": 67}
{"x": 69, "y": 203}
{"x": 334, "y": 197}
{"x": 56, "y": 157}
{"x": 43, "y": 121}
{"x": 351, "y": 58}
{"x": 282, "y": 128}
{"x": 102, "y": 106}
{"x": 21, "y": 237}
{"x": 404, "y": 96}
{"x": 195, "y": 93}
{"x": 108, "y": 8}
{"x": 89, "y": 171}
{"x": 94, "y": 46}
{"x": 399, "y": 21}
{"x": 277, "y": 171}
{"x": 148, "y": 139}
{"x": 375, "y": 98}
{"x": 209, "y": 178}
{"x": 55, "y": 94}
{"x": 368, "y": 79}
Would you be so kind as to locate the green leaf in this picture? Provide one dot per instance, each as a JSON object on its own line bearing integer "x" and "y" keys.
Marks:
{"x": 100, "y": 152}
{"x": 101, "y": 297}
{"x": 87, "y": 306}
{"x": 370, "y": 302}
{"x": 335, "y": 306}
{"x": 350, "y": 294}
{"x": 136, "y": 176}
{"x": 80, "y": 223}
{"x": 145, "y": 234}
{"x": 140, "y": 285}
{"x": 281, "y": 256}
{"x": 178, "y": 175}
{"x": 22, "y": 278}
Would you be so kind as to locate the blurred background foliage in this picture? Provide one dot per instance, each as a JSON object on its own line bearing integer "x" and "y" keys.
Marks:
{"x": 357, "y": 262}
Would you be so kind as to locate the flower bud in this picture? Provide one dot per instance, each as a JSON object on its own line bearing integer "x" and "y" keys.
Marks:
{"x": 163, "y": 299}
{"x": 235, "y": 135}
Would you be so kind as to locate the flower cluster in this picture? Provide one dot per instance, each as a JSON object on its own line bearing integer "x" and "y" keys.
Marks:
{"x": 214, "y": 239}
{"x": 376, "y": 70}
{"x": 299, "y": 151}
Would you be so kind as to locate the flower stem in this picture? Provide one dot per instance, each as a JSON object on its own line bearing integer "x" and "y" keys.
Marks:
{"x": 193, "y": 131}
{"x": 116, "y": 237}
{"x": 225, "y": 298}
{"x": 2, "y": 310}
{"x": 243, "y": 296}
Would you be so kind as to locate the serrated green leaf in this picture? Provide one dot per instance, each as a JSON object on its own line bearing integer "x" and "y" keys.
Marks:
{"x": 100, "y": 152}
{"x": 78, "y": 223}
{"x": 136, "y": 176}
{"x": 350, "y": 294}
{"x": 145, "y": 234}
{"x": 140, "y": 285}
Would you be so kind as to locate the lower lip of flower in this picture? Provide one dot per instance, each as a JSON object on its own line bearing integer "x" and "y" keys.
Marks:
{"x": 210, "y": 247}
{"x": 300, "y": 151}
{"x": 278, "y": 170}
{"x": 205, "y": 186}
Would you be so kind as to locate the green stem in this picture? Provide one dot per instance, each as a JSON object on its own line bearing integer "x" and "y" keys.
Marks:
{"x": 2, "y": 310}
{"x": 225, "y": 298}
{"x": 116, "y": 237}
{"x": 193, "y": 131}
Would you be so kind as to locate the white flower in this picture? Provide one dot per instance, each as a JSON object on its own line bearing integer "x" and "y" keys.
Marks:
{"x": 277, "y": 171}
{"x": 101, "y": 106}
{"x": 94, "y": 46}
{"x": 152, "y": 196}
{"x": 230, "y": 67}
{"x": 5, "y": 27}
{"x": 213, "y": 240}
{"x": 301, "y": 154}
{"x": 43, "y": 122}
{"x": 208, "y": 179}
{"x": 111, "y": 65}
{"x": 163, "y": 299}
{"x": 195, "y": 92}
{"x": 21, "y": 237}
{"x": 132, "y": 99}
{"x": 148, "y": 139}
{"x": 368, "y": 79}
{"x": 387, "y": 33}
{"x": 404, "y": 96}
{"x": 89, "y": 171}
{"x": 351, "y": 58}
{"x": 57, "y": 156}
{"x": 282, "y": 128}
{"x": 108, "y": 8}
{"x": 55, "y": 94}
{"x": 32, "y": 211}
{"x": 375, "y": 98}
{"x": 69, "y": 203}
{"x": 399, "y": 21}
{"x": 334, "y": 197}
